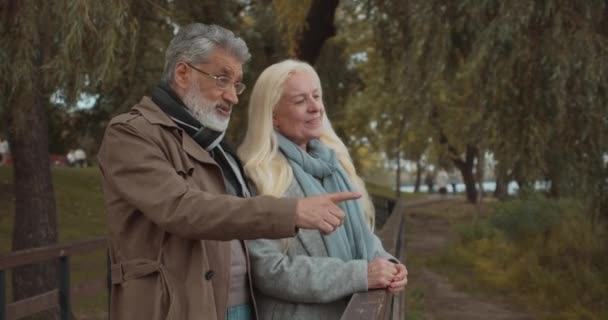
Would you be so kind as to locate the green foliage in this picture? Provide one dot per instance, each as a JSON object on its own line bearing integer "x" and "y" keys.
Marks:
{"x": 415, "y": 304}
{"x": 549, "y": 252}
{"x": 477, "y": 231}
{"x": 520, "y": 220}
{"x": 291, "y": 17}
{"x": 525, "y": 81}
{"x": 75, "y": 52}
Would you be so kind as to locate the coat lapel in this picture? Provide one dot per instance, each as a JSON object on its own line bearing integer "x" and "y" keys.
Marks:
{"x": 155, "y": 115}
{"x": 195, "y": 151}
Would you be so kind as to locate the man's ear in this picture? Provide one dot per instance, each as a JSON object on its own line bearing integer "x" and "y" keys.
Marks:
{"x": 182, "y": 75}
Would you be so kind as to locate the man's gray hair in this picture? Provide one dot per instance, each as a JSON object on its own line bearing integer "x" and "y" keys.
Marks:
{"x": 194, "y": 44}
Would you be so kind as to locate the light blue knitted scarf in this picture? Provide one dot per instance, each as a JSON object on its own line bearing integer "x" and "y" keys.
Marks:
{"x": 319, "y": 172}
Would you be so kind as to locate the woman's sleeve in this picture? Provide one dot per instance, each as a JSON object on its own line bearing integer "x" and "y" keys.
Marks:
{"x": 302, "y": 278}
{"x": 379, "y": 251}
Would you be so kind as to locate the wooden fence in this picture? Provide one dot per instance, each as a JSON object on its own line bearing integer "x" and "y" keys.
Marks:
{"x": 379, "y": 304}
{"x": 60, "y": 297}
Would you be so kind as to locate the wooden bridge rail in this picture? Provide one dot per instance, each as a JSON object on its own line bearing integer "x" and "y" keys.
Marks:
{"x": 384, "y": 206}
{"x": 380, "y": 304}
{"x": 60, "y": 297}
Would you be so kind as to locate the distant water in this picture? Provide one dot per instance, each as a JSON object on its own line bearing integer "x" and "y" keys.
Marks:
{"x": 488, "y": 186}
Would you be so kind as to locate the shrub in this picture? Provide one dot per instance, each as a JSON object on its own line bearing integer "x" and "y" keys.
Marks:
{"x": 471, "y": 232}
{"x": 547, "y": 251}
{"x": 520, "y": 220}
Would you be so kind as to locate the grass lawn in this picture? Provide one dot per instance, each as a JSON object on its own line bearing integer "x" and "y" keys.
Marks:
{"x": 80, "y": 216}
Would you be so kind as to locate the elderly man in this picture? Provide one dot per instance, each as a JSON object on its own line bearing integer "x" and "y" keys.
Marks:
{"x": 175, "y": 195}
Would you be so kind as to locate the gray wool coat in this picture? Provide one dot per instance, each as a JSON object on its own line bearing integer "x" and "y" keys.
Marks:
{"x": 295, "y": 279}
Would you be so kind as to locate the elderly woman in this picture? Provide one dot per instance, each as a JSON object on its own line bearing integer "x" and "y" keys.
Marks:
{"x": 291, "y": 150}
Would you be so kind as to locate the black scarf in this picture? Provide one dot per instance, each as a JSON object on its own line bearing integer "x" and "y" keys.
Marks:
{"x": 164, "y": 97}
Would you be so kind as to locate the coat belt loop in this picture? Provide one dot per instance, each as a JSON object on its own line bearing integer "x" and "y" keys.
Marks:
{"x": 133, "y": 269}
{"x": 117, "y": 273}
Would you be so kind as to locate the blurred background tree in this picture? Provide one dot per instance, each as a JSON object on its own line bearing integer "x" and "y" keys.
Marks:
{"x": 525, "y": 82}
{"x": 43, "y": 53}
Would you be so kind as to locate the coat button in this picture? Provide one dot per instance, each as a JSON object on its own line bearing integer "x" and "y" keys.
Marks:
{"x": 209, "y": 275}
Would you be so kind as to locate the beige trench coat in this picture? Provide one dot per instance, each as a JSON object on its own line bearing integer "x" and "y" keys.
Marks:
{"x": 169, "y": 220}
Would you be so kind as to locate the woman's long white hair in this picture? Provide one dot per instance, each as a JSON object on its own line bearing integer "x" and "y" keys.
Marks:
{"x": 264, "y": 164}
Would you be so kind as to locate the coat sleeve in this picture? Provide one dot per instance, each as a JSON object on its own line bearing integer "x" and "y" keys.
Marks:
{"x": 302, "y": 278}
{"x": 379, "y": 251}
{"x": 139, "y": 173}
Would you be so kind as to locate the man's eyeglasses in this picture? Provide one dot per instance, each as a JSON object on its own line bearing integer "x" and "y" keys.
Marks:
{"x": 222, "y": 82}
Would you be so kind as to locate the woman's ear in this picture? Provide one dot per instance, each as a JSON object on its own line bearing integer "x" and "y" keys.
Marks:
{"x": 275, "y": 122}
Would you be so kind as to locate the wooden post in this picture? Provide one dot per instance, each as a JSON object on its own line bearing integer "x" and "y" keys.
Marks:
{"x": 109, "y": 265}
{"x": 64, "y": 288}
{"x": 2, "y": 297}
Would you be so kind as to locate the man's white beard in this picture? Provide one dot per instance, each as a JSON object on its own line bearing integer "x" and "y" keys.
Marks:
{"x": 204, "y": 110}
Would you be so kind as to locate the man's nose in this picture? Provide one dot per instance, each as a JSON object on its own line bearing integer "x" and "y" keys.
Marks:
{"x": 230, "y": 95}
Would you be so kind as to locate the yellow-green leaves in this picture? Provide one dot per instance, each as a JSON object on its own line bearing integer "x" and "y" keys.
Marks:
{"x": 291, "y": 17}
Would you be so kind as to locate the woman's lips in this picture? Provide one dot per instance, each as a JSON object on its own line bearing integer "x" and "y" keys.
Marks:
{"x": 314, "y": 121}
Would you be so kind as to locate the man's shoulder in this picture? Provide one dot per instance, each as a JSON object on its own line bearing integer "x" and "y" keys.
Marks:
{"x": 144, "y": 115}
{"x": 133, "y": 117}
{"x": 139, "y": 121}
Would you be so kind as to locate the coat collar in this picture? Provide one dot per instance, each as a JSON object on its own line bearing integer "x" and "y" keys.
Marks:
{"x": 151, "y": 112}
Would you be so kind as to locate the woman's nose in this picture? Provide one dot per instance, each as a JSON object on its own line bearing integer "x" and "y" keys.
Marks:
{"x": 315, "y": 105}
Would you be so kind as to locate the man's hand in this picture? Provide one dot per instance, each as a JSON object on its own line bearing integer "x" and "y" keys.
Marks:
{"x": 321, "y": 212}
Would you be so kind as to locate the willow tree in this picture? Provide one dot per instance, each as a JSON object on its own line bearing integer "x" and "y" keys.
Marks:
{"x": 540, "y": 74}
{"x": 48, "y": 47}
{"x": 525, "y": 81}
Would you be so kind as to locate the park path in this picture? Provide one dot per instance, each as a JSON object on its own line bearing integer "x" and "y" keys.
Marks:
{"x": 438, "y": 299}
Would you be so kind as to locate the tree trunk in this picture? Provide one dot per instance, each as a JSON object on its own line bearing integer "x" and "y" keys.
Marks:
{"x": 556, "y": 177}
{"x": 502, "y": 182}
{"x": 418, "y": 176}
{"x": 469, "y": 183}
{"x": 319, "y": 28}
{"x": 466, "y": 166}
{"x": 466, "y": 169}
{"x": 479, "y": 173}
{"x": 35, "y": 215}
{"x": 501, "y": 191}
{"x": 398, "y": 176}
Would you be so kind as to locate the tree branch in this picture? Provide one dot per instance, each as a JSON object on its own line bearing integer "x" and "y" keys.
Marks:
{"x": 319, "y": 27}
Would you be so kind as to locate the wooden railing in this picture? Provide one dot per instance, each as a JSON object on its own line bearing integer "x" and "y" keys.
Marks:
{"x": 60, "y": 297}
{"x": 384, "y": 207}
{"x": 379, "y": 304}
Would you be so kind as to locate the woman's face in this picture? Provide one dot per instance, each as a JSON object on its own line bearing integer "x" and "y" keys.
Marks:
{"x": 299, "y": 113}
